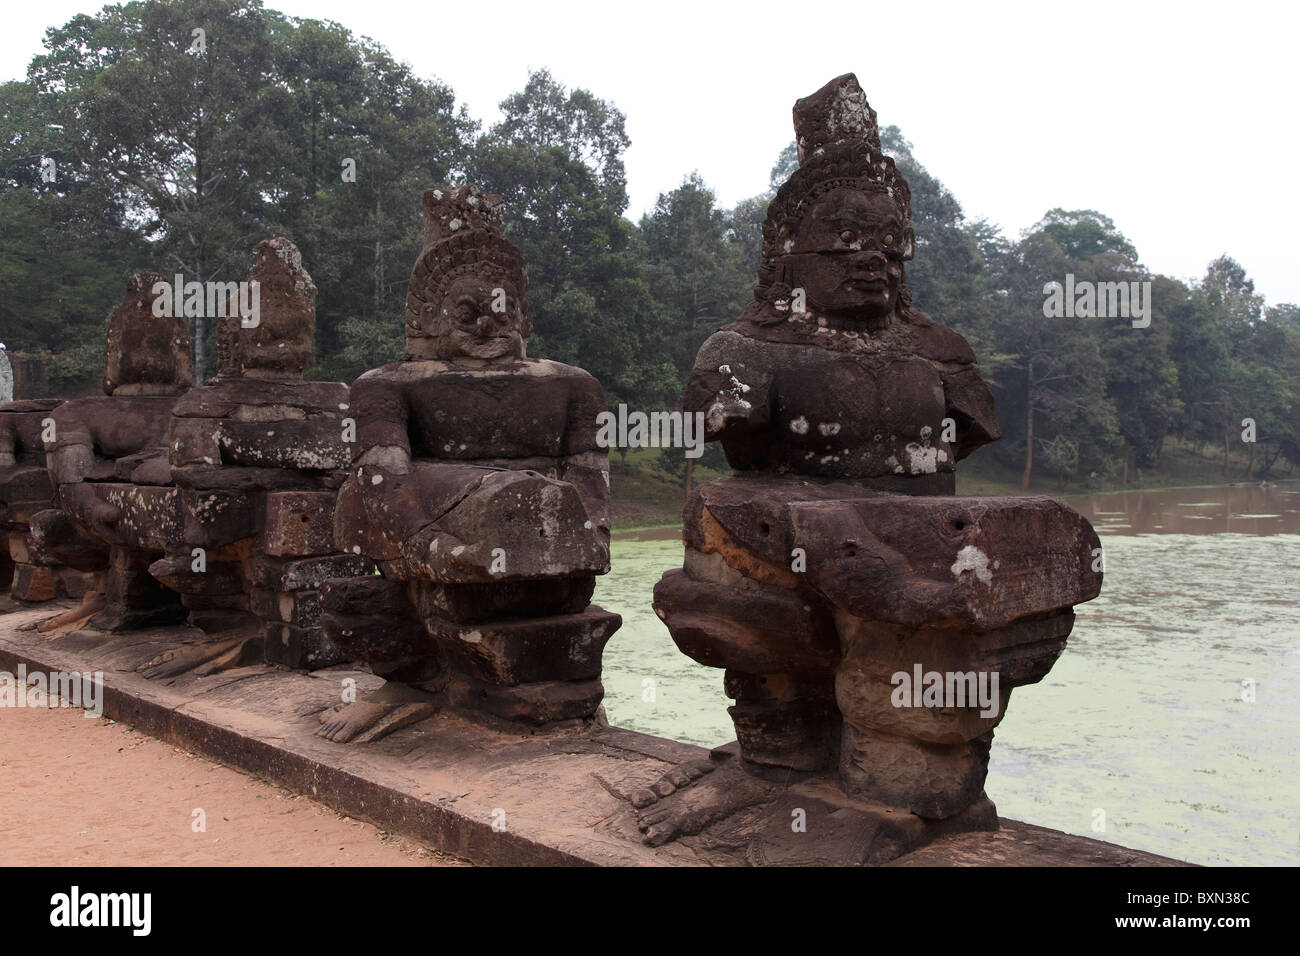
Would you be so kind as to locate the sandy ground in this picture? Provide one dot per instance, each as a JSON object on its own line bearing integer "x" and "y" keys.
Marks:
{"x": 91, "y": 792}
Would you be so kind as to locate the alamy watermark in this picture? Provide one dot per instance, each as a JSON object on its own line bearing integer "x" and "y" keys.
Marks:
{"x": 130, "y": 910}
{"x": 946, "y": 689}
{"x": 53, "y": 689}
{"x": 1099, "y": 300}
{"x": 214, "y": 300}
{"x": 652, "y": 430}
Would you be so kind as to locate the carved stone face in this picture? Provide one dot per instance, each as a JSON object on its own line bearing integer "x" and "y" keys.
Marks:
{"x": 849, "y": 255}
{"x": 144, "y": 353}
{"x": 480, "y": 317}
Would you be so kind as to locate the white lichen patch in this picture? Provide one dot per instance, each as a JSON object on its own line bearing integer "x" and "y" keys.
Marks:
{"x": 921, "y": 460}
{"x": 971, "y": 558}
{"x": 799, "y": 426}
{"x": 829, "y": 428}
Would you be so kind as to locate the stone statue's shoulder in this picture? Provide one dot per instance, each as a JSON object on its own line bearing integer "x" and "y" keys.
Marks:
{"x": 734, "y": 339}
{"x": 550, "y": 368}
{"x": 581, "y": 384}
{"x": 936, "y": 341}
{"x": 404, "y": 372}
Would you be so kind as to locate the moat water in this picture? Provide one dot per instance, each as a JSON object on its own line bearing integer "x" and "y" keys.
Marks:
{"x": 1145, "y": 732}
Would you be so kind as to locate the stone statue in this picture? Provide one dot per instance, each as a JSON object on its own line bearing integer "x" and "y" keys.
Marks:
{"x": 481, "y": 494}
{"x": 834, "y": 559}
{"x": 831, "y": 372}
{"x": 25, "y": 490}
{"x": 107, "y": 458}
{"x": 256, "y": 455}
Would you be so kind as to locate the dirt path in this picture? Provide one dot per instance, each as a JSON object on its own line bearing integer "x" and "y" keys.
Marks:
{"x": 91, "y": 792}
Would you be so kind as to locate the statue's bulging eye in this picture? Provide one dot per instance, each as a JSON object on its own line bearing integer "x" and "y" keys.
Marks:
{"x": 846, "y": 235}
{"x": 889, "y": 239}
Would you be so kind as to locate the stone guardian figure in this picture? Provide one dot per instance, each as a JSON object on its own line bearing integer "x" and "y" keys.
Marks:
{"x": 482, "y": 495}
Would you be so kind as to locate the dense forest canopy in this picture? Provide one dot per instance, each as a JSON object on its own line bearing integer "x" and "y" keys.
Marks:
{"x": 135, "y": 141}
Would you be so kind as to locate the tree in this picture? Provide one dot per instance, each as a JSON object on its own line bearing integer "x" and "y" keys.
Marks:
{"x": 64, "y": 250}
{"x": 184, "y": 150}
{"x": 1053, "y": 381}
{"x": 556, "y": 159}
{"x": 371, "y": 137}
{"x": 170, "y": 122}
{"x": 695, "y": 271}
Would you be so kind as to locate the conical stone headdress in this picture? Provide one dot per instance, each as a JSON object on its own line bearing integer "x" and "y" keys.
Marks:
{"x": 462, "y": 236}
{"x": 839, "y": 147}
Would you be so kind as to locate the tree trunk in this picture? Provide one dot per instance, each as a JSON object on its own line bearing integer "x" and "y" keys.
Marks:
{"x": 690, "y": 467}
{"x": 1224, "y": 473}
{"x": 1029, "y": 428}
{"x": 1124, "y": 480}
{"x": 1250, "y": 465}
{"x": 379, "y": 255}
{"x": 200, "y": 324}
{"x": 1269, "y": 461}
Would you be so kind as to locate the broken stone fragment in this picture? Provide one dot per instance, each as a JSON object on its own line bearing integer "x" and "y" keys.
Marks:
{"x": 33, "y": 583}
{"x": 298, "y": 523}
{"x": 510, "y": 652}
{"x": 302, "y": 648}
{"x": 306, "y": 574}
{"x": 758, "y": 632}
{"x": 542, "y": 702}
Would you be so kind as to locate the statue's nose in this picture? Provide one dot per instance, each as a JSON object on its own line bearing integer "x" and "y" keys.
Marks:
{"x": 873, "y": 260}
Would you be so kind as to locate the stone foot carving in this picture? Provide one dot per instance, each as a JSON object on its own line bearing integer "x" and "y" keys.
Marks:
{"x": 206, "y": 657}
{"x": 92, "y": 602}
{"x": 679, "y": 804}
{"x": 390, "y": 708}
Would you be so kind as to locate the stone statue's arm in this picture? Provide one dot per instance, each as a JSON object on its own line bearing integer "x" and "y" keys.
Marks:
{"x": 382, "y": 414}
{"x": 969, "y": 403}
{"x": 589, "y": 473}
{"x": 585, "y": 464}
{"x": 70, "y": 457}
{"x": 730, "y": 386}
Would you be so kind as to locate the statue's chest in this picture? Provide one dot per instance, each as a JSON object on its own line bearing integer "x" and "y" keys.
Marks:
{"x": 475, "y": 417}
{"x": 835, "y": 400}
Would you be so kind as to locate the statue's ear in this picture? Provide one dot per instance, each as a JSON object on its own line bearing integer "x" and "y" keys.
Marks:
{"x": 415, "y": 318}
{"x": 909, "y": 243}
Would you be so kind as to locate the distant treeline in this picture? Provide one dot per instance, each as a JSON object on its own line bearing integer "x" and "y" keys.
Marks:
{"x": 177, "y": 135}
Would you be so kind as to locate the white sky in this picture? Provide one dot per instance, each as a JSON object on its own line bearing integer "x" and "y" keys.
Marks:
{"x": 1177, "y": 120}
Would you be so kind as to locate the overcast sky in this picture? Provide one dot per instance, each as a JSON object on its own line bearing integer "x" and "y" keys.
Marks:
{"x": 1177, "y": 120}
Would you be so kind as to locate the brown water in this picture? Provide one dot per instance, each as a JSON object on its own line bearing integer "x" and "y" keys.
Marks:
{"x": 1233, "y": 509}
{"x": 1143, "y": 727}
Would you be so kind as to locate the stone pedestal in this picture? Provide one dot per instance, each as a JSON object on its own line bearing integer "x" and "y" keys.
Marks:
{"x": 833, "y": 615}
